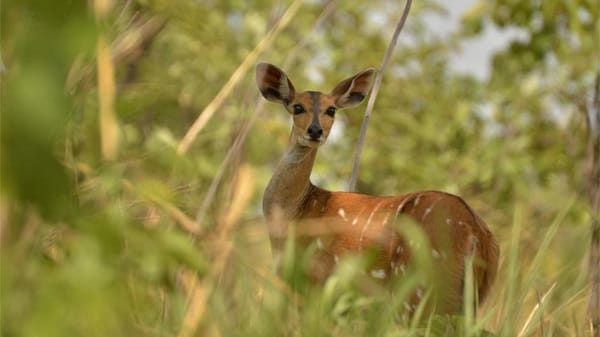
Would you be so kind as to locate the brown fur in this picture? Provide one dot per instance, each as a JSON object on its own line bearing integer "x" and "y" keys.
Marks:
{"x": 346, "y": 223}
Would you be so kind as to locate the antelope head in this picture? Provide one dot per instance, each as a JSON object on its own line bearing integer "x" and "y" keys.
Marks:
{"x": 313, "y": 112}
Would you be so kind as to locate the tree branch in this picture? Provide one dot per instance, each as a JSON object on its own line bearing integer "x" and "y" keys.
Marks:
{"x": 593, "y": 187}
{"x": 373, "y": 97}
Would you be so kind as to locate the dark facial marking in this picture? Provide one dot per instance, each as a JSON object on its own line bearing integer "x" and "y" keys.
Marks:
{"x": 314, "y": 97}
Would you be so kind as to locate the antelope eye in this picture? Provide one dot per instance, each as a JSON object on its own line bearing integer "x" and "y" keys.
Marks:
{"x": 298, "y": 109}
{"x": 330, "y": 111}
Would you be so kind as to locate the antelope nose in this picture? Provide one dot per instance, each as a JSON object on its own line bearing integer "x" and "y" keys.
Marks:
{"x": 315, "y": 131}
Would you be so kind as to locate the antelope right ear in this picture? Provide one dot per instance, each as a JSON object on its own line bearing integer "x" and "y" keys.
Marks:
{"x": 274, "y": 84}
{"x": 351, "y": 91}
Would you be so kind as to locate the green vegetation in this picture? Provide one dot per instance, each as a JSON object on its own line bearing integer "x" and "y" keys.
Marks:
{"x": 108, "y": 230}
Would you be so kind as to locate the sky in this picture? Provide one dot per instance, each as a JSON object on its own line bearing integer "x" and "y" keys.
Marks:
{"x": 475, "y": 55}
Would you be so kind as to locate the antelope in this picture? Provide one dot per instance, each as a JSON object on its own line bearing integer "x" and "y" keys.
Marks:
{"x": 346, "y": 223}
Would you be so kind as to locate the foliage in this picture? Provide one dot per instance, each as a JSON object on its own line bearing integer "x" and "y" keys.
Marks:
{"x": 92, "y": 246}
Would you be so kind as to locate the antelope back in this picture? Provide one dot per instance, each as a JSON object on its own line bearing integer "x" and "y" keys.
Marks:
{"x": 348, "y": 223}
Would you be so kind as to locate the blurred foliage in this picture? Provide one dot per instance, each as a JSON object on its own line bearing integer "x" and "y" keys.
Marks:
{"x": 96, "y": 247}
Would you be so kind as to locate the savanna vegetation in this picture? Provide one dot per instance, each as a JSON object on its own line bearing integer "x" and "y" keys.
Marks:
{"x": 135, "y": 148}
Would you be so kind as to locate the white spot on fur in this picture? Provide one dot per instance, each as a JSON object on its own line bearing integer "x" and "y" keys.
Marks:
{"x": 427, "y": 211}
{"x": 342, "y": 213}
{"x": 400, "y": 206}
{"x": 336, "y": 259}
{"x": 319, "y": 243}
{"x": 314, "y": 203}
{"x": 387, "y": 216}
{"x": 417, "y": 200}
{"x": 449, "y": 221}
{"x": 378, "y": 273}
{"x": 364, "y": 230}
{"x": 399, "y": 250}
{"x": 435, "y": 254}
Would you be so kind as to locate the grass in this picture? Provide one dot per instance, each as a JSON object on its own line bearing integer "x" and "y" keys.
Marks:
{"x": 117, "y": 253}
{"x": 528, "y": 299}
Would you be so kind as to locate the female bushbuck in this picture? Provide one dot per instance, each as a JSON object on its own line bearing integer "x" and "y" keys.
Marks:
{"x": 343, "y": 223}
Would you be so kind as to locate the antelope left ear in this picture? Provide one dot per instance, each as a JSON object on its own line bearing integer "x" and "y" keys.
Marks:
{"x": 274, "y": 84}
{"x": 351, "y": 91}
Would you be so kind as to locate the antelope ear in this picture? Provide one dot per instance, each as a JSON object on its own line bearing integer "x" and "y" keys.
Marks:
{"x": 350, "y": 92}
{"x": 274, "y": 84}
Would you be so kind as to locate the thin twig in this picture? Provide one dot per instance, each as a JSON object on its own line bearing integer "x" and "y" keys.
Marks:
{"x": 185, "y": 223}
{"x": 241, "y": 137}
{"x": 236, "y": 77}
{"x": 593, "y": 187}
{"x": 200, "y": 291}
{"x": 109, "y": 129}
{"x": 536, "y": 308}
{"x": 539, "y": 301}
{"x": 373, "y": 97}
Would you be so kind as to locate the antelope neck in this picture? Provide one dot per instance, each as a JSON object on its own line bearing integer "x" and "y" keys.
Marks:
{"x": 290, "y": 184}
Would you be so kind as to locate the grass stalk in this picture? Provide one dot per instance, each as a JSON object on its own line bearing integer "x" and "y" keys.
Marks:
{"x": 373, "y": 97}
{"x": 236, "y": 77}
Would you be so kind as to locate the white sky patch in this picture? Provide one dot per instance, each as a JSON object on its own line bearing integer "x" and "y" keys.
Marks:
{"x": 474, "y": 56}
{"x": 337, "y": 130}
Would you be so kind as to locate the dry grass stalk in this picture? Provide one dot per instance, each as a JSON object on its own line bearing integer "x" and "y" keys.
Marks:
{"x": 241, "y": 137}
{"x": 593, "y": 187}
{"x": 373, "y": 97}
{"x": 536, "y": 308}
{"x": 236, "y": 77}
{"x": 131, "y": 43}
{"x": 102, "y": 7}
{"x": 199, "y": 291}
{"x": 243, "y": 189}
{"x": 186, "y": 223}
{"x": 109, "y": 131}
{"x": 197, "y": 297}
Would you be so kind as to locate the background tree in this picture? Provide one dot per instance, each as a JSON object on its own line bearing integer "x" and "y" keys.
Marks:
{"x": 92, "y": 246}
{"x": 555, "y": 69}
